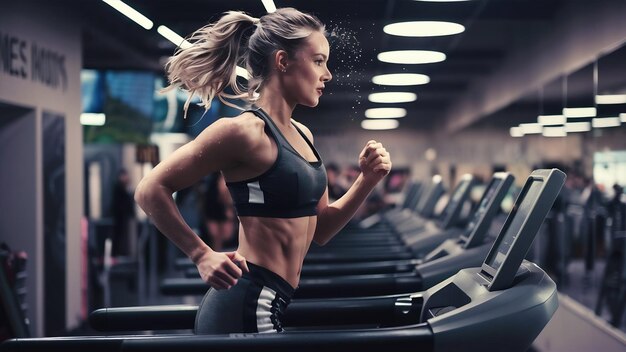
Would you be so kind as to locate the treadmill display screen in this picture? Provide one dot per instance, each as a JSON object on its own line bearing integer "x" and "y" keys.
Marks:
{"x": 456, "y": 197}
{"x": 482, "y": 207}
{"x": 520, "y": 214}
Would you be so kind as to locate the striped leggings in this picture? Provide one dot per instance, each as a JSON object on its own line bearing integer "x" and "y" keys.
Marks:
{"x": 255, "y": 304}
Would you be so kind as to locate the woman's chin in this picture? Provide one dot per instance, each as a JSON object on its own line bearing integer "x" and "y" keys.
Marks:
{"x": 311, "y": 103}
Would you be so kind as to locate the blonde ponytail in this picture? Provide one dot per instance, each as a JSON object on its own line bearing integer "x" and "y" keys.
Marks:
{"x": 208, "y": 66}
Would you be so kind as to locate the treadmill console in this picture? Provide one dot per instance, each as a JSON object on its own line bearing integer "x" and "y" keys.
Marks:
{"x": 476, "y": 229}
{"x": 530, "y": 209}
{"x": 450, "y": 214}
{"x": 505, "y": 257}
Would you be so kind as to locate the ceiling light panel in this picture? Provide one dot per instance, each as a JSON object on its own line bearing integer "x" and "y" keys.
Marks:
{"x": 411, "y": 56}
{"x": 131, "y": 13}
{"x": 580, "y": 112}
{"x": 379, "y": 124}
{"x": 605, "y": 122}
{"x": 385, "y": 113}
{"x": 392, "y": 97}
{"x": 401, "y": 79}
{"x": 423, "y": 28}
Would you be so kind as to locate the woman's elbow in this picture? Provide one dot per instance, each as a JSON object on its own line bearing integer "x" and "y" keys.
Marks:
{"x": 320, "y": 240}
{"x": 143, "y": 193}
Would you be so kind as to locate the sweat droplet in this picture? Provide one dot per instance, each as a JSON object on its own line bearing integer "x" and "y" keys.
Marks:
{"x": 349, "y": 65}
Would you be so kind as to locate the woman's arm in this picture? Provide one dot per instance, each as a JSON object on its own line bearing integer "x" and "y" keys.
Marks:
{"x": 375, "y": 163}
{"x": 221, "y": 146}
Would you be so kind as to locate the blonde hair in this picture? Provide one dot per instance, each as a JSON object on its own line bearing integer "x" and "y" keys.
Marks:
{"x": 208, "y": 66}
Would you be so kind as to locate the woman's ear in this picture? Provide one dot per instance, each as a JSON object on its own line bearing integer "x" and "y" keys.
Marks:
{"x": 280, "y": 60}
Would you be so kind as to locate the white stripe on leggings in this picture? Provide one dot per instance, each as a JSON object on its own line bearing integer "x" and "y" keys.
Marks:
{"x": 263, "y": 310}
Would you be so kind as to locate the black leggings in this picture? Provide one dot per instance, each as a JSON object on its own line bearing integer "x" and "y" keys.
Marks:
{"x": 255, "y": 304}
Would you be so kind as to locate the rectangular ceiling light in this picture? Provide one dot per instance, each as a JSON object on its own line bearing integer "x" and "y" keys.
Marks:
{"x": 622, "y": 117}
{"x": 269, "y": 5}
{"x": 580, "y": 112}
{"x": 379, "y": 124}
{"x": 547, "y": 120}
{"x": 516, "y": 132}
{"x": 611, "y": 99}
{"x": 581, "y": 126}
{"x": 90, "y": 119}
{"x": 604, "y": 122}
{"x": 131, "y": 13}
{"x": 531, "y": 128}
{"x": 173, "y": 37}
{"x": 554, "y": 131}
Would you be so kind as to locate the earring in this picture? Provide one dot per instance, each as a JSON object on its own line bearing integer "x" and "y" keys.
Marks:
{"x": 284, "y": 70}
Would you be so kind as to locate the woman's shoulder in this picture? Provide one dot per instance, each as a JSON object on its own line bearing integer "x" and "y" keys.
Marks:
{"x": 245, "y": 128}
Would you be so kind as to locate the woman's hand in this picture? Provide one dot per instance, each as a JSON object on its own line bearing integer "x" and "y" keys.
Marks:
{"x": 374, "y": 161}
{"x": 221, "y": 270}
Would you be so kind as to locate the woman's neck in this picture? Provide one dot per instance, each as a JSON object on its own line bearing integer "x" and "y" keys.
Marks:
{"x": 273, "y": 102}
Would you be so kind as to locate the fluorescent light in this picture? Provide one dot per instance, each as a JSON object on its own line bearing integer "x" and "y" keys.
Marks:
{"x": 242, "y": 72}
{"x": 551, "y": 120}
{"x": 531, "y": 128}
{"x": 401, "y": 79}
{"x": 579, "y": 112}
{"x": 611, "y": 99}
{"x": 130, "y": 13}
{"x": 379, "y": 124}
{"x": 554, "y": 131}
{"x": 604, "y": 122}
{"x": 91, "y": 119}
{"x": 385, "y": 113}
{"x": 269, "y": 5}
{"x": 411, "y": 56}
{"x": 392, "y": 97}
{"x": 581, "y": 126}
{"x": 173, "y": 37}
{"x": 423, "y": 28}
{"x": 516, "y": 132}
{"x": 622, "y": 117}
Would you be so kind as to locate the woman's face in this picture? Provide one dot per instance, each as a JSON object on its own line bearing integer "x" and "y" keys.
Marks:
{"x": 307, "y": 71}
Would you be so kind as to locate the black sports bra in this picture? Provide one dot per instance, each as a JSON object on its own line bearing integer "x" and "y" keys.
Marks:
{"x": 291, "y": 187}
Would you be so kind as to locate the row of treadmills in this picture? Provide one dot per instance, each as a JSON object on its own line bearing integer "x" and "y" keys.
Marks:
{"x": 400, "y": 282}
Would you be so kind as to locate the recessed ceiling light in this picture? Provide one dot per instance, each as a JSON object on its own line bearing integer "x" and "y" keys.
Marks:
{"x": 411, "y": 56}
{"x": 379, "y": 124}
{"x": 392, "y": 97}
{"x": 611, "y": 99}
{"x": 604, "y": 122}
{"x": 580, "y": 112}
{"x": 554, "y": 131}
{"x": 531, "y": 128}
{"x": 581, "y": 126}
{"x": 622, "y": 117}
{"x": 423, "y": 28}
{"x": 401, "y": 79}
{"x": 547, "y": 120}
{"x": 385, "y": 113}
{"x": 516, "y": 132}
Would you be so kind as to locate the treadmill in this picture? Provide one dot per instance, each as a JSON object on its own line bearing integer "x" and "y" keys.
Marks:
{"x": 501, "y": 306}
